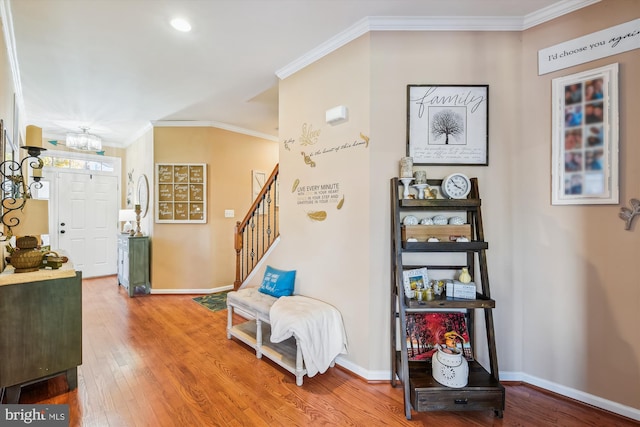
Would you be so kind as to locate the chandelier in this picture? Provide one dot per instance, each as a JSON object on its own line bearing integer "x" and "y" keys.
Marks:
{"x": 84, "y": 141}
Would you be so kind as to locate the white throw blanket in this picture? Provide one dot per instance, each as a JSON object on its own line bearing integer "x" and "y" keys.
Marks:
{"x": 317, "y": 326}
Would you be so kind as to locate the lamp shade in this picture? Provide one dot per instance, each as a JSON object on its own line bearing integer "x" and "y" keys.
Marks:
{"x": 33, "y": 137}
{"x": 126, "y": 215}
{"x": 32, "y": 219}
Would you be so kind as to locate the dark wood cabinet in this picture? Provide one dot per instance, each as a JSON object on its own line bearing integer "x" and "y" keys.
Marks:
{"x": 421, "y": 391}
{"x": 133, "y": 263}
{"x": 40, "y": 328}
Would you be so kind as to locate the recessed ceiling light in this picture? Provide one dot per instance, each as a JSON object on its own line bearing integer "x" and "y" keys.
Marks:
{"x": 181, "y": 25}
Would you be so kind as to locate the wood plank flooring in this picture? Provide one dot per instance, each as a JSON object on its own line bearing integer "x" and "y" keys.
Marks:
{"x": 164, "y": 360}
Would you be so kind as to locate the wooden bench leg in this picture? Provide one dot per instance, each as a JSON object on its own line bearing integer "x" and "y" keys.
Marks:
{"x": 299, "y": 365}
{"x": 229, "y": 320}
{"x": 258, "y": 338}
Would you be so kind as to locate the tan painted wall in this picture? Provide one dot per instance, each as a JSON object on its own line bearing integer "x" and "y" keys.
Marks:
{"x": 447, "y": 58}
{"x": 560, "y": 275}
{"x": 323, "y": 273}
{"x": 201, "y": 256}
{"x": 576, "y": 265}
{"x": 138, "y": 161}
{"x": 331, "y": 256}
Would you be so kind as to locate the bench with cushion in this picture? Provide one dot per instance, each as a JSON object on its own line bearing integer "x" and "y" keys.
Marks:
{"x": 301, "y": 334}
{"x": 252, "y": 303}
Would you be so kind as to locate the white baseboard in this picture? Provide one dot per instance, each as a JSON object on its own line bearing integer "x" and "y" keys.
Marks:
{"x": 581, "y": 396}
{"x": 598, "y": 402}
{"x": 191, "y": 291}
{"x": 221, "y": 288}
{"x": 364, "y": 373}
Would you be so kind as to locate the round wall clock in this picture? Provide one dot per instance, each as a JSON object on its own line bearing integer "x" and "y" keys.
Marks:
{"x": 143, "y": 195}
{"x": 456, "y": 186}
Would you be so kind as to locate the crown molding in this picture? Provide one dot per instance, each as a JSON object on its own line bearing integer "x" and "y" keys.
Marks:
{"x": 554, "y": 11}
{"x": 431, "y": 23}
{"x": 213, "y": 124}
{"x": 444, "y": 23}
{"x": 353, "y": 32}
{"x": 143, "y": 130}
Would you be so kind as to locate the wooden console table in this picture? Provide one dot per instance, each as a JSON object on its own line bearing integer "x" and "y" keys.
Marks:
{"x": 40, "y": 327}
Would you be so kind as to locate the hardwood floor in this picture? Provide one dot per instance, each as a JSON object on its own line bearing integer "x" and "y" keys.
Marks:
{"x": 164, "y": 360}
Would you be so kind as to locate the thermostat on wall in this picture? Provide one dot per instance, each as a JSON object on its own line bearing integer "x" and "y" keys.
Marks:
{"x": 336, "y": 115}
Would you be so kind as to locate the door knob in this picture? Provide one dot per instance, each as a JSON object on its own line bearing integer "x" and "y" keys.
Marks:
{"x": 62, "y": 224}
{"x": 61, "y": 231}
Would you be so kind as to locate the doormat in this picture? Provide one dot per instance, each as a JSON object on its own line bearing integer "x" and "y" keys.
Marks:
{"x": 213, "y": 302}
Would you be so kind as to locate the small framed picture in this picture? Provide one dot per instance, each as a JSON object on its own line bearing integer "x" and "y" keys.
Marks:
{"x": 585, "y": 137}
{"x": 448, "y": 125}
{"x": 414, "y": 279}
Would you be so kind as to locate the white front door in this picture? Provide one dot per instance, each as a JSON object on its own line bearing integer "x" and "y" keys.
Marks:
{"x": 87, "y": 221}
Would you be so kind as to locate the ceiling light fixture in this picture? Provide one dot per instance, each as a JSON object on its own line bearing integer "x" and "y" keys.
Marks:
{"x": 181, "y": 25}
{"x": 84, "y": 141}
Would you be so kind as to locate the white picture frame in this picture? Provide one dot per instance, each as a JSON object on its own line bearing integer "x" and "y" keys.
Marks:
{"x": 584, "y": 165}
{"x": 258, "y": 179}
{"x": 448, "y": 124}
{"x": 420, "y": 276}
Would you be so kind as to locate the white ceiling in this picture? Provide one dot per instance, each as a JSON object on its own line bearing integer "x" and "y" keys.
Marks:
{"x": 116, "y": 66}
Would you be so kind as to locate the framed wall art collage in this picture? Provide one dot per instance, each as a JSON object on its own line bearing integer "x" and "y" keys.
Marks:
{"x": 181, "y": 190}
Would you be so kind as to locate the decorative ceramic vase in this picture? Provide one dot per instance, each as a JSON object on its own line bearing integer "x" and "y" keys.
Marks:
{"x": 464, "y": 277}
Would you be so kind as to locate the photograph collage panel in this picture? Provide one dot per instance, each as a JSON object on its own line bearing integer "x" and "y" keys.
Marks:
{"x": 584, "y": 137}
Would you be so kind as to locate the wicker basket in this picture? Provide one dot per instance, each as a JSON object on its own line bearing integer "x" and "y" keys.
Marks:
{"x": 53, "y": 260}
{"x": 24, "y": 260}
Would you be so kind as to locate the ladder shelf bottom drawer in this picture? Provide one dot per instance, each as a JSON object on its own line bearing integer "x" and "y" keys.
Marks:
{"x": 456, "y": 400}
{"x": 481, "y": 392}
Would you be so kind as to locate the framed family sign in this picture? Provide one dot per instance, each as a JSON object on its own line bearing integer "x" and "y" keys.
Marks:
{"x": 448, "y": 124}
{"x": 585, "y": 137}
{"x": 181, "y": 190}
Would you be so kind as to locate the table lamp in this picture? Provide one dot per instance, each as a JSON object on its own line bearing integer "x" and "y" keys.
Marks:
{"x": 126, "y": 216}
{"x": 31, "y": 220}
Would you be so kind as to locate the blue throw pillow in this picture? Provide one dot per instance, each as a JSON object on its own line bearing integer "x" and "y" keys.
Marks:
{"x": 278, "y": 283}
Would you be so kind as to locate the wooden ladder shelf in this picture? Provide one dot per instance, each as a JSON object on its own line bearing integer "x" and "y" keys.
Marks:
{"x": 421, "y": 391}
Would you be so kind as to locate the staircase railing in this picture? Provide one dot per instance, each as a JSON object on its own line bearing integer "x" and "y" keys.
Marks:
{"x": 255, "y": 234}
